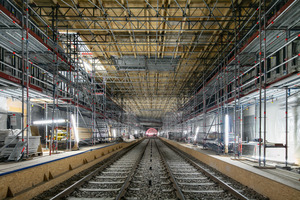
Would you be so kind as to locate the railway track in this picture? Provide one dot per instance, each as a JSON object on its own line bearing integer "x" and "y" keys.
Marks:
{"x": 193, "y": 180}
{"x": 154, "y": 170}
{"x": 109, "y": 181}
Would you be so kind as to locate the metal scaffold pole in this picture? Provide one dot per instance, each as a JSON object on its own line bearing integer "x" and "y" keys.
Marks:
{"x": 94, "y": 102}
{"x": 240, "y": 134}
{"x": 55, "y": 85}
{"x": 260, "y": 84}
{"x": 56, "y": 66}
{"x": 46, "y": 126}
{"x": 204, "y": 109}
{"x": 219, "y": 98}
{"x": 265, "y": 83}
{"x": 122, "y": 115}
{"x": 234, "y": 82}
{"x": 27, "y": 79}
{"x": 286, "y": 125}
{"x": 255, "y": 118}
{"x": 77, "y": 82}
{"x": 218, "y": 111}
{"x": 241, "y": 130}
{"x": 104, "y": 107}
{"x": 23, "y": 74}
{"x": 226, "y": 102}
{"x": 51, "y": 148}
{"x": 67, "y": 128}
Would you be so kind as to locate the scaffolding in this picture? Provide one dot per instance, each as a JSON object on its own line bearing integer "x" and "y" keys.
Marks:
{"x": 265, "y": 57}
{"x": 40, "y": 66}
{"x": 48, "y": 63}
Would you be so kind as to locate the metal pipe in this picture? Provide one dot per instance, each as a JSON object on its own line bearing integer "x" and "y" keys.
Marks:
{"x": 46, "y": 128}
{"x": 77, "y": 78}
{"x": 241, "y": 130}
{"x": 226, "y": 102}
{"x": 141, "y": 29}
{"x": 70, "y": 136}
{"x": 219, "y": 113}
{"x": 23, "y": 74}
{"x": 67, "y": 128}
{"x": 27, "y": 83}
{"x": 286, "y": 126}
{"x": 148, "y": 8}
{"x": 260, "y": 83}
{"x": 204, "y": 110}
{"x": 235, "y": 75}
{"x": 53, "y": 111}
{"x": 56, "y": 35}
{"x": 265, "y": 82}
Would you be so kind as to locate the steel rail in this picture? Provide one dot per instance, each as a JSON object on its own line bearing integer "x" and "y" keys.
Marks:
{"x": 191, "y": 160}
{"x": 129, "y": 177}
{"x": 107, "y": 162}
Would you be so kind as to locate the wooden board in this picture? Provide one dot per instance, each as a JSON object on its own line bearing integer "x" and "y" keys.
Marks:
{"x": 83, "y": 133}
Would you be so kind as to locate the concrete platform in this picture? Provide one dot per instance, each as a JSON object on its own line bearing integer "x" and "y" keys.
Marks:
{"x": 27, "y": 179}
{"x": 11, "y": 167}
{"x": 272, "y": 183}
